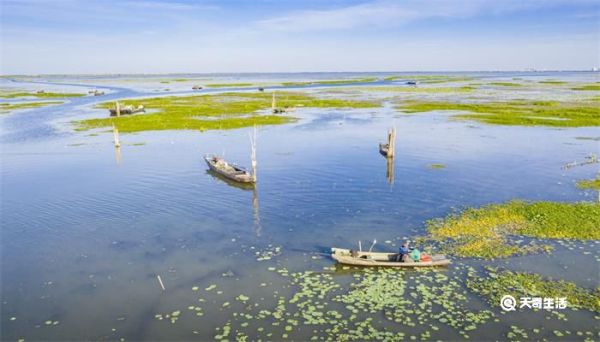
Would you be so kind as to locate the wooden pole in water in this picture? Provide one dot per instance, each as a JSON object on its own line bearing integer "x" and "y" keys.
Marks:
{"x": 162, "y": 286}
{"x": 392, "y": 142}
{"x": 118, "y": 108}
{"x": 253, "y": 155}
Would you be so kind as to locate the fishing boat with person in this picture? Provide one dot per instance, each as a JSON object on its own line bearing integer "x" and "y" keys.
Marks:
{"x": 378, "y": 259}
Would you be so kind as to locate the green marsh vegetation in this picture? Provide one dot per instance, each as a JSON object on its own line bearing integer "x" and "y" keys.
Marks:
{"x": 6, "y": 108}
{"x": 484, "y": 232}
{"x": 595, "y": 86}
{"x": 506, "y": 84}
{"x": 436, "y": 166}
{"x": 520, "y": 113}
{"x": 431, "y": 78}
{"x": 330, "y": 82}
{"x": 497, "y": 283}
{"x": 590, "y": 183}
{"x": 406, "y": 89}
{"x": 225, "y": 85}
{"x": 555, "y": 82}
{"x": 206, "y": 112}
{"x": 45, "y": 95}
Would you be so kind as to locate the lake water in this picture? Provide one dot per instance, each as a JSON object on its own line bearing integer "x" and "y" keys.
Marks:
{"x": 85, "y": 231}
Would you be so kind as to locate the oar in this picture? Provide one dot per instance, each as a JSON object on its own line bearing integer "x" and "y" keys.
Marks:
{"x": 374, "y": 242}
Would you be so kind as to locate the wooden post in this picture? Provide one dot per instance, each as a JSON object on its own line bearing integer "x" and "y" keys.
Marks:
{"x": 118, "y": 108}
{"x": 162, "y": 286}
{"x": 253, "y": 155}
{"x": 391, "y": 142}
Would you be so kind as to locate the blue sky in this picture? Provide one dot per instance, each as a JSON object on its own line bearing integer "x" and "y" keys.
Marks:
{"x": 160, "y": 36}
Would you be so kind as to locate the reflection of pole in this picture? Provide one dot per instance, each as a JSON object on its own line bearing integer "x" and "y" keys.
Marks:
{"x": 390, "y": 170}
{"x": 116, "y": 136}
{"x": 118, "y": 154}
{"x": 255, "y": 212}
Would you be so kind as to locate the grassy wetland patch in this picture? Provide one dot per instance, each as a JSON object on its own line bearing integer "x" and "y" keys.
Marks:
{"x": 589, "y": 183}
{"x": 330, "y": 82}
{"x": 518, "y": 113}
{"x": 497, "y": 283}
{"x": 228, "y": 85}
{"x": 410, "y": 89}
{"x": 431, "y": 78}
{"x": 7, "y": 94}
{"x": 206, "y": 112}
{"x": 484, "y": 232}
{"x": 6, "y": 108}
{"x": 506, "y": 84}
{"x": 595, "y": 86}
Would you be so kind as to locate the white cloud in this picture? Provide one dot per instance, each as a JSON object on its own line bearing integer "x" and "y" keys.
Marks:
{"x": 394, "y": 13}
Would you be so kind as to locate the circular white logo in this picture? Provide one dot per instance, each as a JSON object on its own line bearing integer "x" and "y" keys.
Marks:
{"x": 508, "y": 303}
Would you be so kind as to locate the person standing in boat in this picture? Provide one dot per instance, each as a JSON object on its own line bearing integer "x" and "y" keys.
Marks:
{"x": 403, "y": 252}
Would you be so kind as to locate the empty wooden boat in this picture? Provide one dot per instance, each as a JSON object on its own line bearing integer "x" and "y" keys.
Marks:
{"x": 373, "y": 259}
{"x": 229, "y": 171}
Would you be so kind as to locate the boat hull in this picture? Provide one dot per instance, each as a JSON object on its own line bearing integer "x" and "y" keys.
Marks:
{"x": 244, "y": 177}
{"x": 370, "y": 259}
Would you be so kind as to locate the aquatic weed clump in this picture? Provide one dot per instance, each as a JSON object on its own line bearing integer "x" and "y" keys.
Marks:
{"x": 497, "y": 283}
{"x": 209, "y": 112}
{"x": 324, "y": 307}
{"x": 517, "y": 113}
{"x": 589, "y": 183}
{"x": 485, "y": 232}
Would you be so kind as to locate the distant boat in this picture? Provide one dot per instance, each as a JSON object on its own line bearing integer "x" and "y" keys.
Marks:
{"x": 412, "y": 82}
{"x": 261, "y": 89}
{"x": 373, "y": 259}
{"x": 197, "y": 87}
{"x": 230, "y": 171}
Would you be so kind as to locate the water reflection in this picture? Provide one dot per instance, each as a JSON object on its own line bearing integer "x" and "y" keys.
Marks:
{"x": 118, "y": 154}
{"x": 390, "y": 170}
{"x": 243, "y": 186}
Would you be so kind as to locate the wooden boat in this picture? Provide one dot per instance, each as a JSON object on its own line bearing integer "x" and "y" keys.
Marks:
{"x": 373, "y": 259}
{"x": 230, "y": 171}
{"x": 412, "y": 82}
{"x": 220, "y": 178}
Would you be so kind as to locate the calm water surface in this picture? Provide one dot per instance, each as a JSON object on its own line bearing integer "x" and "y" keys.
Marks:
{"x": 85, "y": 231}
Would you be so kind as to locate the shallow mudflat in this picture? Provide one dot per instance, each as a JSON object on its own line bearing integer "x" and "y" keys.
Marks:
{"x": 86, "y": 228}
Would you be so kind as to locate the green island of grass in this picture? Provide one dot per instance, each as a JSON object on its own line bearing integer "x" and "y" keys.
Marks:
{"x": 484, "y": 232}
{"x": 405, "y": 89}
{"x": 45, "y": 95}
{"x": 431, "y": 78}
{"x": 588, "y": 87}
{"x": 589, "y": 183}
{"x": 436, "y": 166}
{"x": 552, "y": 82}
{"x": 6, "y": 108}
{"x": 224, "y": 85}
{"x": 330, "y": 82}
{"x": 506, "y": 84}
{"x": 206, "y": 112}
{"x": 521, "y": 113}
{"x": 497, "y": 283}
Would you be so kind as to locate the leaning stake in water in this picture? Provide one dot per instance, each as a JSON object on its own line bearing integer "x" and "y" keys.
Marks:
{"x": 160, "y": 282}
